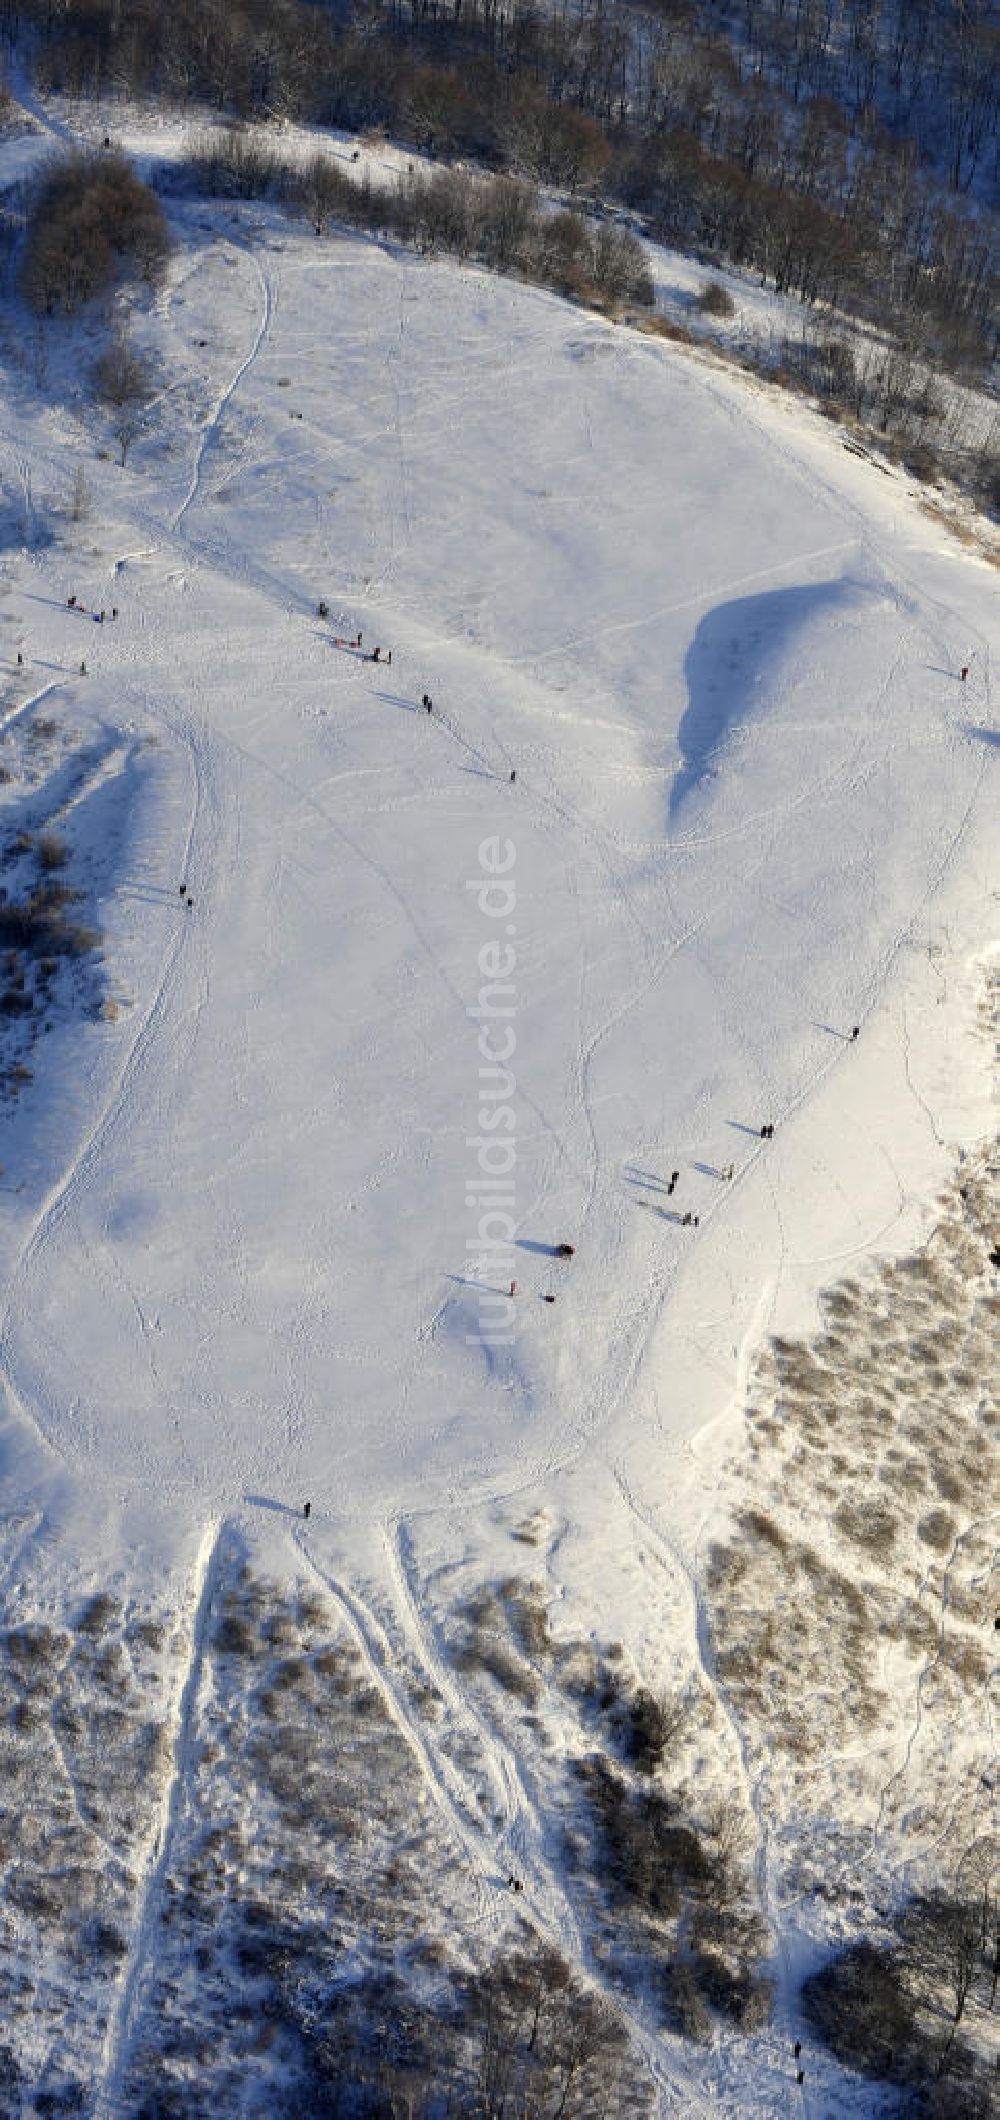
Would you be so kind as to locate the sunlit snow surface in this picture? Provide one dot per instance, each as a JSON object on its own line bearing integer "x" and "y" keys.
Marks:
{"x": 742, "y": 765}
{"x": 753, "y": 807}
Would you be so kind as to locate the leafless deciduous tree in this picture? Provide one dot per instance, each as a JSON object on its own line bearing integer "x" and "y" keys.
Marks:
{"x": 123, "y": 382}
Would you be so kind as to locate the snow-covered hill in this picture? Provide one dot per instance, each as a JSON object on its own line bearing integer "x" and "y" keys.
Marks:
{"x": 701, "y": 790}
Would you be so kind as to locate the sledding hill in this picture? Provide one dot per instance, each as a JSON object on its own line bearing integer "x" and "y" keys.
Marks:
{"x": 443, "y": 990}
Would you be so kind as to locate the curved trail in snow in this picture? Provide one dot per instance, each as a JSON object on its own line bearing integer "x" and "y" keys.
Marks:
{"x": 546, "y": 1907}
{"x": 124, "y": 2020}
{"x": 112, "y": 1115}
{"x": 210, "y": 430}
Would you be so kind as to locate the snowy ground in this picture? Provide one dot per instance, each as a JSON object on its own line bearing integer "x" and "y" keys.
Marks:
{"x": 753, "y": 807}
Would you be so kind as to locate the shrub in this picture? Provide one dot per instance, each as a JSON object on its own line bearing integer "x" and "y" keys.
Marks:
{"x": 649, "y": 1727}
{"x": 236, "y": 164}
{"x": 36, "y": 1646}
{"x": 618, "y": 268}
{"x": 923, "y": 462}
{"x": 528, "y": 1614}
{"x": 484, "y": 1653}
{"x": 937, "y": 1529}
{"x": 859, "y": 2005}
{"x": 121, "y": 376}
{"x": 508, "y": 224}
{"x": 234, "y": 1637}
{"x": 562, "y": 254}
{"x": 716, "y": 300}
{"x": 51, "y": 851}
{"x": 986, "y": 481}
{"x": 104, "y": 1939}
{"x": 322, "y": 191}
{"x": 99, "y": 1613}
{"x": 686, "y": 2010}
{"x": 737, "y": 1992}
{"x": 650, "y": 1853}
{"x": 89, "y": 214}
{"x": 869, "y": 1525}
{"x": 15, "y": 1001}
{"x": 40, "y": 924}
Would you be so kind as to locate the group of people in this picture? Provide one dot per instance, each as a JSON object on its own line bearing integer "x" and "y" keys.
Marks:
{"x": 383, "y": 656}
{"x": 74, "y": 604}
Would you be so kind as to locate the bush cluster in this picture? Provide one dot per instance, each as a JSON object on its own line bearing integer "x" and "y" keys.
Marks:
{"x": 89, "y": 216}
{"x": 41, "y": 924}
{"x": 667, "y": 1876}
{"x": 919, "y": 2010}
{"x": 497, "y": 221}
{"x": 524, "y": 2036}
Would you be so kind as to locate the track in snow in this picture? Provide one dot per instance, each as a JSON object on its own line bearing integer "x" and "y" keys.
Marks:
{"x": 122, "y": 2026}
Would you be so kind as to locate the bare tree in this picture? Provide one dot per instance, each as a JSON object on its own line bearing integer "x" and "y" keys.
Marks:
{"x": 121, "y": 375}
{"x": 79, "y": 504}
{"x": 123, "y": 382}
{"x": 322, "y": 191}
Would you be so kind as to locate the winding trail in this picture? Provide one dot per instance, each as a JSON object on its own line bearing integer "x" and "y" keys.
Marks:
{"x": 210, "y": 430}
{"x": 109, "y": 2102}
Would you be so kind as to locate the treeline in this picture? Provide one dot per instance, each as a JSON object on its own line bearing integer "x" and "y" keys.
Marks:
{"x": 794, "y": 142}
{"x": 499, "y": 221}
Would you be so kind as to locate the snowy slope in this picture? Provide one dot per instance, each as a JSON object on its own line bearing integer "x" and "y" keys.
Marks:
{"x": 751, "y": 799}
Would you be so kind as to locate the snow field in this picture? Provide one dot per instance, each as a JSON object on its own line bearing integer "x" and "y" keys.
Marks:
{"x": 748, "y": 785}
